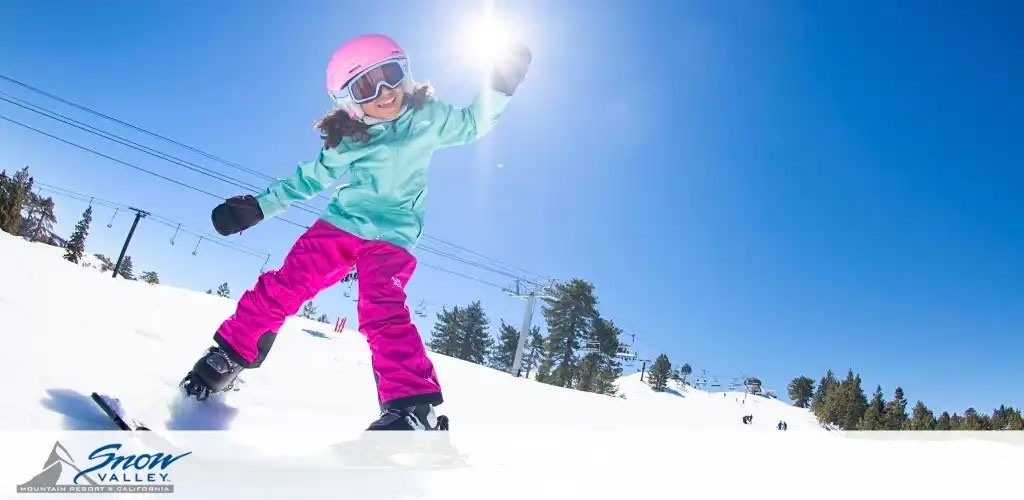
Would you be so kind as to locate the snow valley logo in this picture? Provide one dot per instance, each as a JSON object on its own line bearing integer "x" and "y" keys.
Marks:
{"x": 108, "y": 472}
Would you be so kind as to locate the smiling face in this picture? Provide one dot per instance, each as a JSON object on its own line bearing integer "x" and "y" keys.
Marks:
{"x": 386, "y": 106}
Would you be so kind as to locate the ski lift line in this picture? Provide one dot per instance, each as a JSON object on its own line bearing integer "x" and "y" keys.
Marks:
{"x": 131, "y": 165}
{"x": 456, "y": 258}
{"x": 426, "y": 248}
{"x": 456, "y": 273}
{"x": 223, "y": 161}
{"x": 133, "y": 127}
{"x": 91, "y": 202}
{"x": 478, "y": 254}
{"x": 80, "y": 196}
{"x": 155, "y": 217}
{"x": 53, "y": 115}
{"x": 179, "y": 227}
{"x": 215, "y": 240}
{"x": 126, "y": 142}
{"x": 171, "y": 223}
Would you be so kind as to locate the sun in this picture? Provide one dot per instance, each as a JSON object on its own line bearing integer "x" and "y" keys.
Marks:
{"x": 486, "y": 38}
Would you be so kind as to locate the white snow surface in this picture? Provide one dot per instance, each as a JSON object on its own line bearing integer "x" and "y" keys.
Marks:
{"x": 68, "y": 330}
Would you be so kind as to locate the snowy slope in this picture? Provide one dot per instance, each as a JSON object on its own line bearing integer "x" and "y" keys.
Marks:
{"x": 72, "y": 316}
{"x": 68, "y": 330}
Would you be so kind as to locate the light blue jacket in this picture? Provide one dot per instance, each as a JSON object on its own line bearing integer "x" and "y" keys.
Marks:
{"x": 387, "y": 189}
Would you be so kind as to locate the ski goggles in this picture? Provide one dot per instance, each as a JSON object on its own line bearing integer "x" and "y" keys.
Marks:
{"x": 366, "y": 86}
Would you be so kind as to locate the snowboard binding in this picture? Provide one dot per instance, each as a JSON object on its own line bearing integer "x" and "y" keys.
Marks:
{"x": 413, "y": 418}
{"x": 214, "y": 372}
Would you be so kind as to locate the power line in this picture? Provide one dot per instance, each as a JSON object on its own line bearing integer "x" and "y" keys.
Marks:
{"x": 53, "y": 115}
{"x": 129, "y": 125}
{"x": 240, "y": 248}
{"x": 494, "y": 263}
{"x": 456, "y": 273}
{"x": 154, "y": 217}
{"x": 122, "y": 162}
{"x": 130, "y": 165}
{"x": 212, "y": 174}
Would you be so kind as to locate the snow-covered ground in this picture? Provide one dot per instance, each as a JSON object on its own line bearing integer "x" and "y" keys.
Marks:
{"x": 68, "y": 330}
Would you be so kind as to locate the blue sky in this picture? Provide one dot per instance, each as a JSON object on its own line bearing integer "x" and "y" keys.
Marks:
{"x": 771, "y": 188}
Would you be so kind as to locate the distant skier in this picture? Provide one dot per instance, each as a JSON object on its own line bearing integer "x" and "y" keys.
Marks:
{"x": 383, "y": 131}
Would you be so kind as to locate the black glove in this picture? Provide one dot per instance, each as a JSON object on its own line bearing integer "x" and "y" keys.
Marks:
{"x": 511, "y": 70}
{"x": 236, "y": 215}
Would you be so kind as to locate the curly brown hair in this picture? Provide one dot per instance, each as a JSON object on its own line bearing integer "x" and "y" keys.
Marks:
{"x": 337, "y": 124}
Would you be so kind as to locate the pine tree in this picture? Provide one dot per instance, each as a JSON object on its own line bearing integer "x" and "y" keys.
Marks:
{"x": 445, "y": 337}
{"x": 150, "y": 277}
{"x": 126, "y": 271}
{"x": 850, "y": 402}
{"x": 608, "y": 334}
{"x": 896, "y": 412}
{"x": 476, "y": 339}
{"x": 823, "y": 404}
{"x": 973, "y": 421}
{"x": 105, "y": 263}
{"x": 1015, "y": 422}
{"x": 1006, "y": 418}
{"x": 598, "y": 371}
{"x": 923, "y": 419}
{"x": 324, "y": 319}
{"x": 874, "y": 415}
{"x": 685, "y": 371}
{"x": 944, "y": 423}
{"x": 76, "y": 244}
{"x": 956, "y": 422}
{"x": 209, "y": 291}
{"x": 504, "y": 352}
{"x": 1000, "y": 418}
{"x": 308, "y": 310}
{"x": 657, "y": 378}
{"x": 587, "y": 370}
{"x": 534, "y": 350}
{"x": 225, "y": 291}
{"x": 37, "y": 223}
{"x": 569, "y": 315}
{"x": 14, "y": 194}
{"x": 801, "y": 389}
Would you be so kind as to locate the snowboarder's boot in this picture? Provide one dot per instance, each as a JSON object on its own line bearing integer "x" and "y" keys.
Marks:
{"x": 413, "y": 418}
{"x": 214, "y": 372}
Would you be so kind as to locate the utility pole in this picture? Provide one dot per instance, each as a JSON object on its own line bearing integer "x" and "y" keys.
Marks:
{"x": 138, "y": 215}
{"x": 529, "y": 291}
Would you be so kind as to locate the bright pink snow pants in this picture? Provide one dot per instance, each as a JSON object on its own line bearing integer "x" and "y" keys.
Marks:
{"x": 320, "y": 258}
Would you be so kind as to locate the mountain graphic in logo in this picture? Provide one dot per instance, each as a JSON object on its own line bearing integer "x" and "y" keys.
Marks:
{"x": 59, "y": 469}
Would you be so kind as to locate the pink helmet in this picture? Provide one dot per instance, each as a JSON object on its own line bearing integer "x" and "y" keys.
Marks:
{"x": 356, "y": 55}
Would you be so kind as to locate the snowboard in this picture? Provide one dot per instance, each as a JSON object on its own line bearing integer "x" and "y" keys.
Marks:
{"x": 113, "y": 408}
{"x": 369, "y": 450}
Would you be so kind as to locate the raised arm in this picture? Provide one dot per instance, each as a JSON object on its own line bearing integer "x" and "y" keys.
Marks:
{"x": 458, "y": 126}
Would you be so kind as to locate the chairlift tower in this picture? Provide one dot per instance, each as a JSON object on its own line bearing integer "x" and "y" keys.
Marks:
{"x": 530, "y": 291}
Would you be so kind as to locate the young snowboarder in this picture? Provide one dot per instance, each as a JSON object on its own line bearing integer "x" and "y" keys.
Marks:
{"x": 382, "y": 132}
